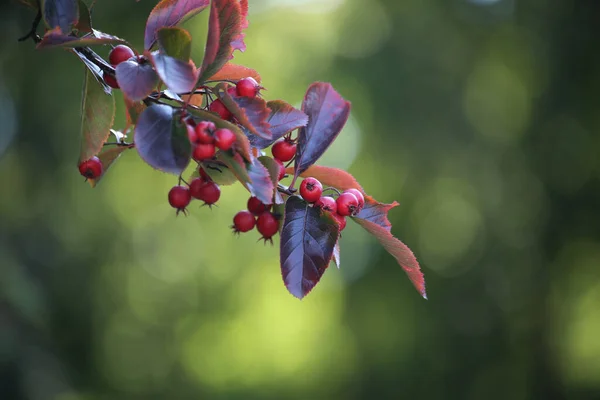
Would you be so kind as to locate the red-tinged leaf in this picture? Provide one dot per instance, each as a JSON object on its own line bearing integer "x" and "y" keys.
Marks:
{"x": 179, "y": 76}
{"x": 403, "y": 255}
{"x": 233, "y": 72}
{"x": 161, "y": 139}
{"x": 336, "y": 254}
{"x": 251, "y": 113}
{"x": 169, "y": 13}
{"x": 329, "y": 176}
{"x": 107, "y": 157}
{"x": 60, "y": 13}
{"x": 136, "y": 79}
{"x": 55, "y": 38}
{"x": 261, "y": 184}
{"x": 327, "y": 114}
{"x": 283, "y": 119}
{"x": 133, "y": 109}
{"x": 97, "y": 117}
{"x": 376, "y": 212}
{"x": 85, "y": 18}
{"x": 273, "y": 168}
{"x": 308, "y": 238}
{"x": 226, "y": 22}
{"x": 175, "y": 42}
{"x": 238, "y": 42}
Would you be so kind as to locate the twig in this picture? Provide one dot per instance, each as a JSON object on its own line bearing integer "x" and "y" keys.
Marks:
{"x": 33, "y": 32}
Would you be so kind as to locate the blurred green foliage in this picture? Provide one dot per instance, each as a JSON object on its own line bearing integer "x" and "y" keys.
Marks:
{"x": 479, "y": 117}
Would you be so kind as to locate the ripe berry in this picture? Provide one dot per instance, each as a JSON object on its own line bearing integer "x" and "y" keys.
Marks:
{"x": 359, "y": 196}
{"x": 284, "y": 150}
{"x": 311, "y": 189}
{"x": 204, "y": 132}
{"x": 232, "y": 91}
{"x": 195, "y": 186}
{"x": 191, "y": 131}
{"x": 267, "y": 225}
{"x": 224, "y": 139}
{"x": 218, "y": 107}
{"x": 327, "y": 203}
{"x": 281, "y": 169}
{"x": 111, "y": 81}
{"x": 119, "y": 54}
{"x": 204, "y": 175}
{"x": 346, "y": 204}
{"x": 243, "y": 222}
{"x": 179, "y": 197}
{"x": 341, "y": 220}
{"x": 209, "y": 192}
{"x": 91, "y": 168}
{"x": 247, "y": 87}
{"x": 257, "y": 207}
{"x": 203, "y": 152}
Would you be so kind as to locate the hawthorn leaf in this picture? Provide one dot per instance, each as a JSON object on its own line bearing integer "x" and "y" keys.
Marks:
{"x": 308, "y": 238}
{"x": 376, "y": 212}
{"x": 236, "y": 164}
{"x": 336, "y": 254}
{"x": 225, "y": 24}
{"x": 179, "y": 76}
{"x": 168, "y": 13}
{"x": 93, "y": 66}
{"x": 161, "y": 139}
{"x": 329, "y": 176}
{"x": 133, "y": 109}
{"x": 97, "y": 117}
{"x": 107, "y": 157}
{"x": 327, "y": 114}
{"x": 175, "y": 42}
{"x": 403, "y": 255}
{"x": 136, "y": 79}
{"x": 85, "y": 18}
{"x": 283, "y": 119}
{"x": 273, "y": 168}
{"x": 220, "y": 175}
{"x": 55, "y": 38}
{"x": 234, "y": 72}
{"x": 261, "y": 184}
{"x": 60, "y": 13}
{"x": 250, "y": 112}
{"x": 35, "y": 4}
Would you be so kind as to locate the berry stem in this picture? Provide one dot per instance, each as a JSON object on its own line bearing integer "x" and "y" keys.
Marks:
{"x": 121, "y": 144}
{"x": 33, "y": 31}
{"x": 286, "y": 190}
{"x": 332, "y": 189}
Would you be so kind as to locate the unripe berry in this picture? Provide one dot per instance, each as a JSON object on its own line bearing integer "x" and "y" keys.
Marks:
{"x": 204, "y": 131}
{"x": 92, "y": 168}
{"x": 327, "y": 203}
{"x": 281, "y": 169}
{"x": 209, "y": 192}
{"x": 311, "y": 189}
{"x": 179, "y": 197}
{"x": 257, "y": 207}
{"x": 247, "y": 87}
{"x": 346, "y": 204}
{"x": 341, "y": 220}
{"x": 203, "y": 152}
{"x": 119, "y": 54}
{"x": 243, "y": 221}
{"x": 111, "y": 81}
{"x": 195, "y": 187}
{"x": 284, "y": 150}
{"x": 267, "y": 225}
{"x": 218, "y": 107}
{"x": 359, "y": 196}
{"x": 224, "y": 139}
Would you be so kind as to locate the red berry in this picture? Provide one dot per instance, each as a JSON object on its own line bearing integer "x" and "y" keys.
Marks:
{"x": 341, "y": 220}
{"x": 257, "y": 207}
{"x": 327, "y": 203}
{"x": 224, "y": 139}
{"x": 281, "y": 169}
{"x": 284, "y": 150}
{"x": 119, "y": 54}
{"x": 243, "y": 221}
{"x": 232, "y": 91}
{"x": 204, "y": 175}
{"x": 111, "y": 81}
{"x": 195, "y": 186}
{"x": 247, "y": 87}
{"x": 179, "y": 197}
{"x": 347, "y": 204}
{"x": 218, "y": 107}
{"x": 267, "y": 225}
{"x": 92, "y": 168}
{"x": 209, "y": 192}
{"x": 359, "y": 196}
{"x": 311, "y": 189}
{"x": 204, "y": 132}
{"x": 191, "y": 133}
{"x": 203, "y": 152}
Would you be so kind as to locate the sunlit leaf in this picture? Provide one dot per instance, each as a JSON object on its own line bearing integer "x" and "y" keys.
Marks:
{"x": 179, "y": 76}
{"x": 236, "y": 164}
{"x": 233, "y": 72}
{"x": 55, "y": 38}
{"x": 376, "y": 212}
{"x": 261, "y": 184}
{"x": 168, "y": 13}
{"x": 282, "y": 119}
{"x": 329, "y": 176}
{"x": 219, "y": 174}
{"x": 175, "y": 42}
{"x": 133, "y": 109}
{"x": 136, "y": 79}
{"x": 60, "y": 13}
{"x": 251, "y": 113}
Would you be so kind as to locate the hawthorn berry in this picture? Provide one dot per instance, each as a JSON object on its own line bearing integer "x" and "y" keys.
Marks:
{"x": 257, "y": 207}
{"x": 224, "y": 138}
{"x": 92, "y": 168}
{"x": 281, "y": 169}
{"x": 359, "y": 196}
{"x": 267, "y": 225}
{"x": 191, "y": 131}
{"x": 243, "y": 221}
{"x": 204, "y": 175}
{"x": 284, "y": 150}
{"x": 218, "y": 107}
{"x": 311, "y": 189}
{"x": 327, "y": 203}
{"x": 232, "y": 91}
{"x": 204, "y": 132}
{"x": 195, "y": 186}
{"x": 179, "y": 197}
{"x": 347, "y": 204}
{"x": 341, "y": 220}
{"x": 203, "y": 152}
{"x": 209, "y": 192}
{"x": 119, "y": 54}
{"x": 247, "y": 87}
{"x": 111, "y": 81}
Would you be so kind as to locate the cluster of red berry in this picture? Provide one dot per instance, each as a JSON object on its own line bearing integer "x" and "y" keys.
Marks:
{"x": 201, "y": 188}
{"x": 259, "y": 215}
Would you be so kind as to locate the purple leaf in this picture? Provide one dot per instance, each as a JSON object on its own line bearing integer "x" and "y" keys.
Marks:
{"x": 261, "y": 183}
{"x": 283, "y": 119}
{"x": 233, "y": 72}
{"x": 179, "y": 76}
{"x": 327, "y": 114}
{"x": 55, "y": 38}
{"x": 161, "y": 139}
{"x": 169, "y": 13}
{"x": 308, "y": 238}
{"x": 60, "y": 13}
{"x": 251, "y": 113}
{"x": 136, "y": 79}
{"x": 376, "y": 212}
{"x": 273, "y": 168}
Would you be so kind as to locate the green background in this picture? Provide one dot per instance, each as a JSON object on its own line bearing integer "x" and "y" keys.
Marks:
{"x": 479, "y": 117}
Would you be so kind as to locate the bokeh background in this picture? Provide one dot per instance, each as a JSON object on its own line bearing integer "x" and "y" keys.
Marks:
{"x": 479, "y": 116}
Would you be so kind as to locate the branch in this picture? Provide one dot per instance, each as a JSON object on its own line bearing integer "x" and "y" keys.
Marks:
{"x": 33, "y": 32}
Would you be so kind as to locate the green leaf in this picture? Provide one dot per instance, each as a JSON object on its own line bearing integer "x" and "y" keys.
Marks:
{"x": 237, "y": 166}
{"x": 221, "y": 175}
{"x": 107, "y": 157}
{"x": 97, "y": 117}
{"x": 85, "y": 18}
{"x": 176, "y": 43}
